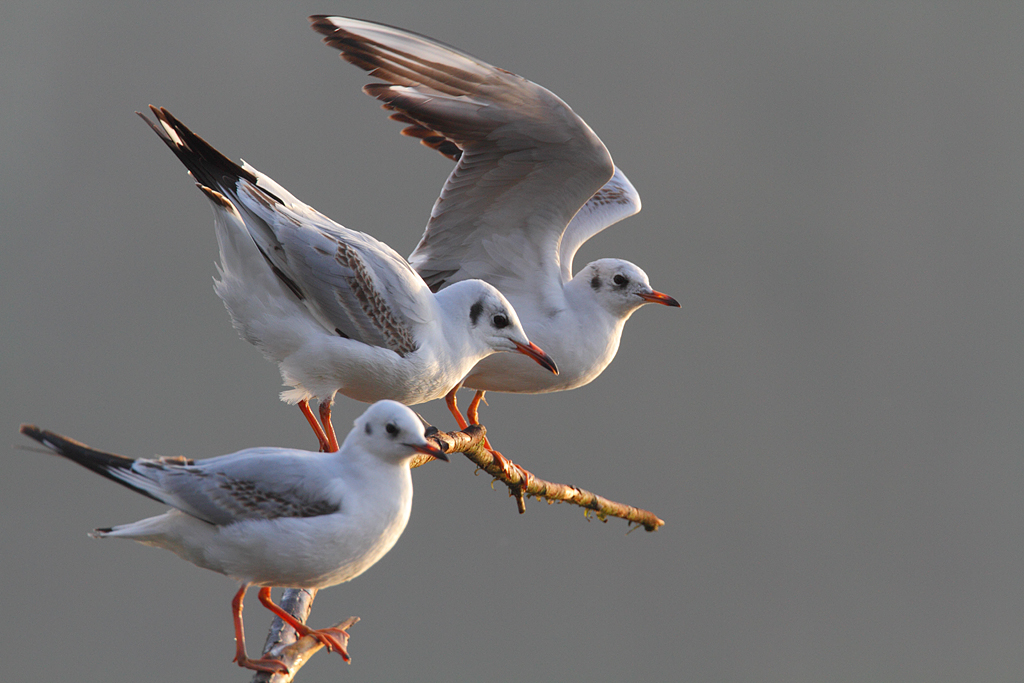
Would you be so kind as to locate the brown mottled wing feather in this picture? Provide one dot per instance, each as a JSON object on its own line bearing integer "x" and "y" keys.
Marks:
{"x": 361, "y": 284}
{"x": 248, "y": 500}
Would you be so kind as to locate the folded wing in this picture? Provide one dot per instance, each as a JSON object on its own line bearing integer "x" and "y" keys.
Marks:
{"x": 353, "y": 284}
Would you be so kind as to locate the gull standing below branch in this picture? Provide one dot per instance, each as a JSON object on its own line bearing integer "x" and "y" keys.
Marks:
{"x": 336, "y": 309}
{"x": 275, "y": 516}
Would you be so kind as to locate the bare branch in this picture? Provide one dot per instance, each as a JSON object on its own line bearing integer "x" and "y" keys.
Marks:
{"x": 282, "y": 643}
{"x": 469, "y": 442}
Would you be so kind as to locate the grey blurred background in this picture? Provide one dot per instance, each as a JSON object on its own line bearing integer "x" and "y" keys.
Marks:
{"x": 830, "y": 426}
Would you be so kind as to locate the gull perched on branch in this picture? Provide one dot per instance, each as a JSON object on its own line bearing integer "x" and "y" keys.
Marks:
{"x": 533, "y": 182}
{"x": 336, "y": 309}
{"x": 275, "y": 516}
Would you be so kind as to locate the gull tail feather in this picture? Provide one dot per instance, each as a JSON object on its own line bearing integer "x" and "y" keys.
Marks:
{"x": 114, "y": 467}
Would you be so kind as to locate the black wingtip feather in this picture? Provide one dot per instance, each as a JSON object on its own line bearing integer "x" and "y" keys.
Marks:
{"x": 208, "y": 166}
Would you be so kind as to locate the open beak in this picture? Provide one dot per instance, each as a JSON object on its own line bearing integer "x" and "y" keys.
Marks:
{"x": 428, "y": 450}
{"x": 653, "y": 297}
{"x": 535, "y": 352}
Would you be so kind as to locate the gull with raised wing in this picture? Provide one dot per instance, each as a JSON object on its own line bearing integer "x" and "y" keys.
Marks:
{"x": 275, "y": 516}
{"x": 533, "y": 182}
{"x": 336, "y": 309}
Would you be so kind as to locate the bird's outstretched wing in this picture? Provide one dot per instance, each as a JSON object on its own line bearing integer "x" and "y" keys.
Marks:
{"x": 526, "y": 161}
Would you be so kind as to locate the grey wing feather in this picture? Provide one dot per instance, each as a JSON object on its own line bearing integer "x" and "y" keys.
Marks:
{"x": 241, "y": 486}
{"x": 353, "y": 284}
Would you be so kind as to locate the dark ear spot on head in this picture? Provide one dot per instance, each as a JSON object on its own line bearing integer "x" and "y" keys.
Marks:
{"x": 368, "y": 428}
{"x": 596, "y": 283}
{"x": 475, "y": 310}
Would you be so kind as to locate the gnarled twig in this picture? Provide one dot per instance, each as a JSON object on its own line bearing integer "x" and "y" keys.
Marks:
{"x": 469, "y": 443}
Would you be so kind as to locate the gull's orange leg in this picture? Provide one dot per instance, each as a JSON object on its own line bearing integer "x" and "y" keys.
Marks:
{"x": 327, "y": 636}
{"x": 317, "y": 429}
{"x": 473, "y": 413}
{"x": 453, "y": 407}
{"x": 506, "y": 465}
{"x": 325, "y": 418}
{"x": 274, "y": 666}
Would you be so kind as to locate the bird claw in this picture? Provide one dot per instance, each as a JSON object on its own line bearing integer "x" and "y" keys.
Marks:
{"x": 331, "y": 639}
{"x": 509, "y": 469}
{"x": 265, "y": 664}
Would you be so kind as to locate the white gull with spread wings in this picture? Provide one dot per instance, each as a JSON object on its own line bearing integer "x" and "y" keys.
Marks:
{"x": 337, "y": 309}
{"x": 533, "y": 182}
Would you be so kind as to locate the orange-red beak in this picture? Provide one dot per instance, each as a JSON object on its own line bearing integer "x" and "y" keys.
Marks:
{"x": 654, "y": 297}
{"x": 428, "y": 450}
{"x": 535, "y": 352}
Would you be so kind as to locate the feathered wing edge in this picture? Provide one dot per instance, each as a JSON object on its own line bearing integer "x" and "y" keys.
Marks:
{"x": 500, "y": 128}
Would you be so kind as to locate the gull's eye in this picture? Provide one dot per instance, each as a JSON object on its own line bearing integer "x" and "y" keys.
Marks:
{"x": 620, "y": 280}
{"x": 392, "y": 429}
{"x": 500, "y": 320}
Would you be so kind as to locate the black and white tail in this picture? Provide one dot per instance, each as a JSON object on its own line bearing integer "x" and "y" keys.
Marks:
{"x": 114, "y": 467}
